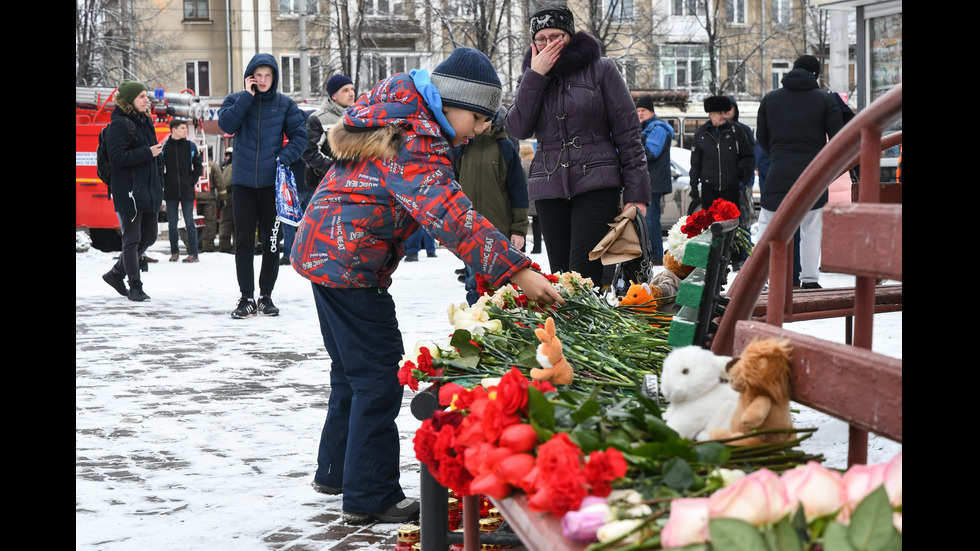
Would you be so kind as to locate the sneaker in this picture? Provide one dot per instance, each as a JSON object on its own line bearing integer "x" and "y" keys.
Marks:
{"x": 431, "y": 255}
{"x": 407, "y": 510}
{"x": 149, "y": 259}
{"x": 811, "y": 285}
{"x": 412, "y": 257}
{"x": 174, "y": 257}
{"x": 329, "y": 490}
{"x": 136, "y": 292}
{"x": 284, "y": 261}
{"x": 191, "y": 258}
{"x": 460, "y": 271}
{"x": 116, "y": 281}
{"x": 266, "y": 307}
{"x": 246, "y": 308}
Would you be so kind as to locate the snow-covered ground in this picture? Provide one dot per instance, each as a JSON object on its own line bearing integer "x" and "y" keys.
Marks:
{"x": 196, "y": 431}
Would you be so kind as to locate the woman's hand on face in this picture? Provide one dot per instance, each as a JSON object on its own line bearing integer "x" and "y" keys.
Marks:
{"x": 543, "y": 59}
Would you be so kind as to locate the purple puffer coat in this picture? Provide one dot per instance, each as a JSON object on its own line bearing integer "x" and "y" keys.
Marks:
{"x": 585, "y": 122}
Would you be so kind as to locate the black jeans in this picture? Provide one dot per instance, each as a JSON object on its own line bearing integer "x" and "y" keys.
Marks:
{"x": 139, "y": 231}
{"x": 251, "y": 208}
{"x": 573, "y": 227}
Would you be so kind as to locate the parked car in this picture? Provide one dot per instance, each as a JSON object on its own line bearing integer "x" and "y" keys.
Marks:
{"x": 675, "y": 204}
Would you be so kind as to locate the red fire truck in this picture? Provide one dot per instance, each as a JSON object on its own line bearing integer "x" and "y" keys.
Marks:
{"x": 93, "y": 106}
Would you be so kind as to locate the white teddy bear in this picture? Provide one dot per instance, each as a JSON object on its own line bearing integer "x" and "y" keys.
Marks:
{"x": 695, "y": 382}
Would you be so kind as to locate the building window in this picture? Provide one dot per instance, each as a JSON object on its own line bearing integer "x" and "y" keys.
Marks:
{"x": 290, "y": 75}
{"x": 782, "y": 11}
{"x": 684, "y": 7}
{"x": 735, "y": 11}
{"x": 296, "y": 7}
{"x": 627, "y": 67}
{"x": 684, "y": 67}
{"x": 380, "y": 8}
{"x": 198, "y": 76}
{"x": 196, "y": 9}
{"x": 381, "y": 65}
{"x": 621, "y": 10}
{"x": 461, "y": 8}
{"x": 736, "y": 77}
{"x": 779, "y": 70}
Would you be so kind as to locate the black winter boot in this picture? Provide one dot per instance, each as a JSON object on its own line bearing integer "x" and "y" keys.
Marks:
{"x": 117, "y": 281}
{"x": 136, "y": 291}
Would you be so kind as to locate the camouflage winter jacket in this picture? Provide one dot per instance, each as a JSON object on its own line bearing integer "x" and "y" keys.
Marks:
{"x": 393, "y": 172}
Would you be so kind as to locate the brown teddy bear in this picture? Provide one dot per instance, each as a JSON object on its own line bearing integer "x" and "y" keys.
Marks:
{"x": 554, "y": 367}
{"x": 761, "y": 376}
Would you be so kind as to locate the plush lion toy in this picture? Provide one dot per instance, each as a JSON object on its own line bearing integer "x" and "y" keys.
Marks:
{"x": 554, "y": 367}
{"x": 761, "y": 376}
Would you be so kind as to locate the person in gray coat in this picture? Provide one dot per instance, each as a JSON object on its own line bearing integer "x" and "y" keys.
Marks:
{"x": 589, "y": 159}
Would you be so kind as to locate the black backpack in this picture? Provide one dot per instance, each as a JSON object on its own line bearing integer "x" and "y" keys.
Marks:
{"x": 102, "y": 162}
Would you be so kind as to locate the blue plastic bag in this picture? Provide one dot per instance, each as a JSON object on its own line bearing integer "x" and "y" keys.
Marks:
{"x": 288, "y": 208}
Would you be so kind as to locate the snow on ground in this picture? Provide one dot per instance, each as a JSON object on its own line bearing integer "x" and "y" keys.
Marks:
{"x": 196, "y": 431}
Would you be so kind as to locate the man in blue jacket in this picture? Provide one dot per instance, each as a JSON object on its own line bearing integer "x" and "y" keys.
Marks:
{"x": 259, "y": 117}
{"x": 657, "y": 138}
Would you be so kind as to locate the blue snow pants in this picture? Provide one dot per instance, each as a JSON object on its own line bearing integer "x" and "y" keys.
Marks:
{"x": 359, "y": 449}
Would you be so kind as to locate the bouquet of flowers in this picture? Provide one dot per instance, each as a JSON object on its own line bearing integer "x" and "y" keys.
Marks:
{"x": 689, "y": 227}
{"x": 609, "y": 348}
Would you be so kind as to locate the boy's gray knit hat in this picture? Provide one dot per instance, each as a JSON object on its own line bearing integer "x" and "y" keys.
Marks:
{"x": 467, "y": 80}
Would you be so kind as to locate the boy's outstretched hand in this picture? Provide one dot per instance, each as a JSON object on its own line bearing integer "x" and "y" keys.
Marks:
{"x": 537, "y": 287}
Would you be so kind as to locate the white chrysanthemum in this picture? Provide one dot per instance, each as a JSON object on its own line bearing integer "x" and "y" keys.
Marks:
{"x": 727, "y": 476}
{"x": 676, "y": 240}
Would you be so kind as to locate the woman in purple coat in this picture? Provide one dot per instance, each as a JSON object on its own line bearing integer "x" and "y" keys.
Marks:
{"x": 589, "y": 160}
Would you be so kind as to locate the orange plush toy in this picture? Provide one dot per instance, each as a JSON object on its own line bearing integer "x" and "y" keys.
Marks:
{"x": 554, "y": 367}
{"x": 761, "y": 376}
{"x": 642, "y": 297}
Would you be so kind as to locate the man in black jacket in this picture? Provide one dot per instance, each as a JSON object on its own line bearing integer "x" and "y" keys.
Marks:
{"x": 794, "y": 124}
{"x": 721, "y": 157}
{"x": 137, "y": 184}
{"x": 182, "y": 167}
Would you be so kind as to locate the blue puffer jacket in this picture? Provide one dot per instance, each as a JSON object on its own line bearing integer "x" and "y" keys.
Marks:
{"x": 258, "y": 123}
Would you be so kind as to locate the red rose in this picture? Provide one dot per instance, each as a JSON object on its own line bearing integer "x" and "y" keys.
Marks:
{"x": 406, "y": 377}
{"x": 512, "y": 392}
{"x": 603, "y": 468}
{"x": 519, "y": 437}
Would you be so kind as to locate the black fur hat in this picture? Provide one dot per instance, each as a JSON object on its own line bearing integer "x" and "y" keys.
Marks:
{"x": 715, "y": 104}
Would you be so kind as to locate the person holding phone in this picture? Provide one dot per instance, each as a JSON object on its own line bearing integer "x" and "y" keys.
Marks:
{"x": 259, "y": 117}
{"x": 590, "y": 163}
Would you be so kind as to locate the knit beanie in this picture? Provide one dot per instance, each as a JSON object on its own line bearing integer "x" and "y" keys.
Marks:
{"x": 808, "y": 63}
{"x": 129, "y": 89}
{"x": 715, "y": 104}
{"x": 552, "y": 17}
{"x": 645, "y": 101}
{"x": 467, "y": 80}
{"x": 336, "y": 82}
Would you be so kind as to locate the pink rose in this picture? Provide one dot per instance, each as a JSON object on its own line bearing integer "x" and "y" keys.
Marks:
{"x": 859, "y": 481}
{"x": 819, "y": 489}
{"x": 758, "y": 498}
{"x": 893, "y": 480}
{"x": 581, "y": 525}
{"x": 688, "y": 522}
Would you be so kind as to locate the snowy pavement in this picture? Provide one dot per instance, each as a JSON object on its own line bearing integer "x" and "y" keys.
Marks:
{"x": 198, "y": 432}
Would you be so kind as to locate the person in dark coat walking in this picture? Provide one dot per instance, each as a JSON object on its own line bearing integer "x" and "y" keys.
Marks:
{"x": 137, "y": 183}
{"x": 722, "y": 156}
{"x": 589, "y": 158}
{"x": 657, "y": 138}
{"x": 182, "y": 167}
{"x": 259, "y": 116}
{"x": 794, "y": 124}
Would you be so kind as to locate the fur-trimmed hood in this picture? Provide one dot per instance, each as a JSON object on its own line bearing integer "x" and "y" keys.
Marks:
{"x": 581, "y": 50}
{"x": 377, "y": 143}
